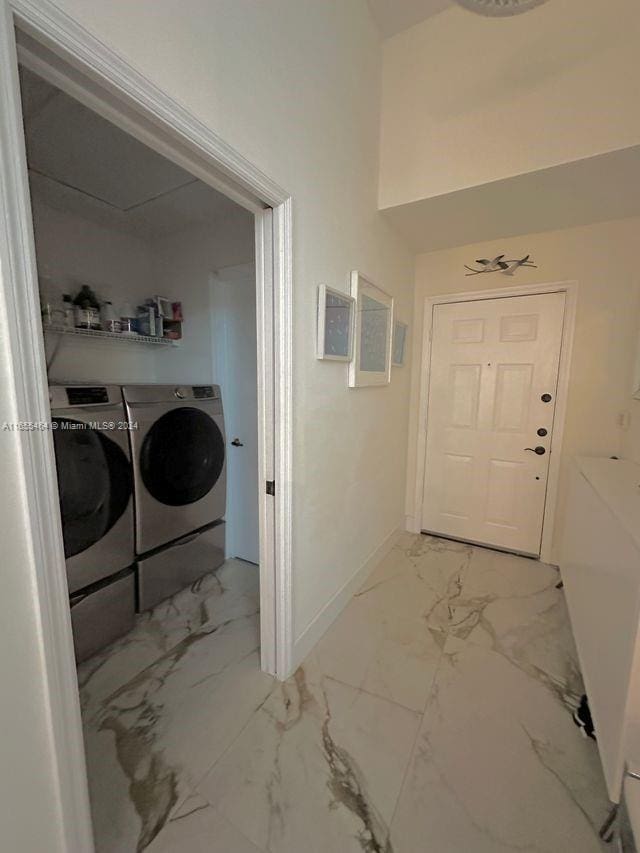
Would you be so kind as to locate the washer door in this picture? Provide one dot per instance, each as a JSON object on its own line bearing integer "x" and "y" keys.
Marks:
{"x": 182, "y": 456}
{"x": 94, "y": 483}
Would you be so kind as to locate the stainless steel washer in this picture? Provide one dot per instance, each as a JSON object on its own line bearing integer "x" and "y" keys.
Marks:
{"x": 179, "y": 469}
{"x": 96, "y": 503}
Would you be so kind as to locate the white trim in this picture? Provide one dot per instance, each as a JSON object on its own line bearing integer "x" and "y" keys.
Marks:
{"x": 136, "y": 104}
{"x": 266, "y": 508}
{"x": 570, "y": 288}
{"x": 27, "y": 385}
{"x": 323, "y": 620}
{"x": 283, "y": 445}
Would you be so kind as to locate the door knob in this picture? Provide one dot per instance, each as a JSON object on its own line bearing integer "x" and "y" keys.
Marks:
{"x": 539, "y": 450}
{"x": 237, "y": 443}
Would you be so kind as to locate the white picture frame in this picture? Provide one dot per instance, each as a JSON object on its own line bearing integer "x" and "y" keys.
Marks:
{"x": 399, "y": 346}
{"x": 336, "y": 312}
{"x": 371, "y": 363}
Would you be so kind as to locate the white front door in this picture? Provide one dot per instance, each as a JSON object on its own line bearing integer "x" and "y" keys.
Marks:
{"x": 492, "y": 397}
{"x": 235, "y": 370}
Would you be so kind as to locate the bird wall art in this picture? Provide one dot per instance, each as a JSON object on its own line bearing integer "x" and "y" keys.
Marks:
{"x": 507, "y": 266}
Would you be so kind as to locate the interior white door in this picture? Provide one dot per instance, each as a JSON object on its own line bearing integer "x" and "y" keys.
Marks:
{"x": 492, "y": 396}
{"x": 235, "y": 360}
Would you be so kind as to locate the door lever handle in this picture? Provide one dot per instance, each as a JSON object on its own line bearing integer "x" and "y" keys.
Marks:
{"x": 539, "y": 450}
{"x": 237, "y": 443}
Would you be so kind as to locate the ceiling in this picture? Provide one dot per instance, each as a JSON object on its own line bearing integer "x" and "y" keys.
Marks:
{"x": 596, "y": 189}
{"x": 81, "y": 163}
{"x": 393, "y": 16}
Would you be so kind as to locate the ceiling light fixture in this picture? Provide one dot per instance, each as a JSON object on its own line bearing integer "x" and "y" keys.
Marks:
{"x": 500, "y": 8}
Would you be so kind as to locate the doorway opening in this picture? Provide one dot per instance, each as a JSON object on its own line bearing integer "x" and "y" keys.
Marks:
{"x": 59, "y": 64}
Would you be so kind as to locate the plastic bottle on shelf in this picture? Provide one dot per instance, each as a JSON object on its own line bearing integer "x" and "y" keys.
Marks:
{"x": 109, "y": 320}
{"x": 87, "y": 309}
{"x": 50, "y": 302}
{"x": 68, "y": 319}
{"x": 128, "y": 321}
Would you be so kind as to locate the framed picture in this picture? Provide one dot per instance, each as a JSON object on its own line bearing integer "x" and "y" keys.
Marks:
{"x": 371, "y": 363}
{"x": 335, "y": 324}
{"x": 400, "y": 330}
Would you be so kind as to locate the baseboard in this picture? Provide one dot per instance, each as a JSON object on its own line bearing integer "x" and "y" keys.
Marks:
{"x": 411, "y": 524}
{"x": 322, "y": 621}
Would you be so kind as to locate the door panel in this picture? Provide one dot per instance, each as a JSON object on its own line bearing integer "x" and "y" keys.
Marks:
{"x": 519, "y": 328}
{"x": 491, "y": 362}
{"x": 465, "y": 394}
{"x": 513, "y": 393}
{"x": 235, "y": 356}
{"x": 468, "y": 331}
{"x": 503, "y": 489}
{"x": 457, "y": 471}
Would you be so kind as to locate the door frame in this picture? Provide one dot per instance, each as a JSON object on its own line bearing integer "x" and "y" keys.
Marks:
{"x": 76, "y": 61}
{"x": 570, "y": 289}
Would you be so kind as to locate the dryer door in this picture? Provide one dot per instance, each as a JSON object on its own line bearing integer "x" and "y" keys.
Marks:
{"x": 94, "y": 483}
{"x": 182, "y": 456}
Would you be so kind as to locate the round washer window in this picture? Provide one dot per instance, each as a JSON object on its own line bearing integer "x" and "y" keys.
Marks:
{"x": 94, "y": 483}
{"x": 182, "y": 456}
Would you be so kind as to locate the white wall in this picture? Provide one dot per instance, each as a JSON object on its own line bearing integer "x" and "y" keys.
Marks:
{"x": 182, "y": 269}
{"x": 603, "y": 259}
{"x": 73, "y": 251}
{"x": 468, "y": 99}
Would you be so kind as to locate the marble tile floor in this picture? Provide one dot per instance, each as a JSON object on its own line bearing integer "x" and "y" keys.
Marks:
{"x": 433, "y": 717}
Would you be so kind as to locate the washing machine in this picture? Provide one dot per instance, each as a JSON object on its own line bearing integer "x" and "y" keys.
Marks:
{"x": 179, "y": 470}
{"x": 95, "y": 488}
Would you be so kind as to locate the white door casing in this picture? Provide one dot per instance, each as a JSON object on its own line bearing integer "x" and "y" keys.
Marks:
{"x": 235, "y": 370}
{"x": 492, "y": 361}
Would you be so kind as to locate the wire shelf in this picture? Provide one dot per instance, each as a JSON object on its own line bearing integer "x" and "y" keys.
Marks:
{"x": 109, "y": 336}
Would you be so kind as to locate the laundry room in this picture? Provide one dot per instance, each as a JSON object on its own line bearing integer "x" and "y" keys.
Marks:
{"x": 147, "y": 290}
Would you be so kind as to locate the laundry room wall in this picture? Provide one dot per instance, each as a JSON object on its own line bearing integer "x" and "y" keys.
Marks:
{"x": 294, "y": 86}
{"x": 183, "y": 264}
{"x": 119, "y": 266}
{"x": 73, "y": 251}
{"x": 602, "y": 259}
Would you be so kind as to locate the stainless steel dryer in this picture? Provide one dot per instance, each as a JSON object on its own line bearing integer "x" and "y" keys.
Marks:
{"x": 179, "y": 469}
{"x": 96, "y": 503}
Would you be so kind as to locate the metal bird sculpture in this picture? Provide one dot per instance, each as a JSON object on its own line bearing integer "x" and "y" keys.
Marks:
{"x": 493, "y": 264}
{"x": 500, "y": 264}
{"x": 512, "y": 266}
